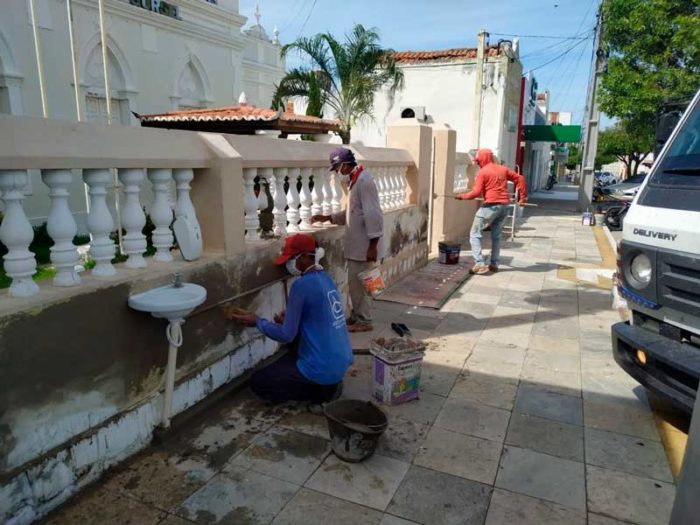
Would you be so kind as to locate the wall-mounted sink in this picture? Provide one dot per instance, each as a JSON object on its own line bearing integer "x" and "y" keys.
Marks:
{"x": 170, "y": 302}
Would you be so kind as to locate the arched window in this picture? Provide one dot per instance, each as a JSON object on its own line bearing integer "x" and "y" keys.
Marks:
{"x": 94, "y": 88}
{"x": 10, "y": 81}
{"x": 408, "y": 113}
{"x": 191, "y": 92}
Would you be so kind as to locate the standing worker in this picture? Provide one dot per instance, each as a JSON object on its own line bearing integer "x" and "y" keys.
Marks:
{"x": 492, "y": 185}
{"x": 365, "y": 229}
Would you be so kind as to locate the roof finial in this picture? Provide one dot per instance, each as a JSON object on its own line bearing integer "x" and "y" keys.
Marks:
{"x": 243, "y": 100}
{"x": 276, "y": 36}
{"x": 257, "y": 13}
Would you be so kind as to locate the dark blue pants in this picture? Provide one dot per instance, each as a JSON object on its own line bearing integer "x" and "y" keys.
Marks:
{"x": 282, "y": 381}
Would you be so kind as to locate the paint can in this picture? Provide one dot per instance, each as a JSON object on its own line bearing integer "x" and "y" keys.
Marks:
{"x": 373, "y": 281}
{"x": 448, "y": 253}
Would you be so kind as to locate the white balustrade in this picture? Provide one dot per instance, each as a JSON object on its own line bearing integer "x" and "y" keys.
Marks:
{"x": 100, "y": 222}
{"x": 133, "y": 218}
{"x": 400, "y": 199}
{"x": 293, "y": 200}
{"x": 264, "y": 176}
{"x": 393, "y": 188}
{"x": 280, "y": 200}
{"x": 252, "y": 221}
{"x": 317, "y": 192}
{"x": 380, "y": 180}
{"x": 16, "y": 234}
{"x": 183, "y": 204}
{"x": 336, "y": 192}
{"x": 327, "y": 209}
{"x": 305, "y": 199}
{"x": 161, "y": 213}
{"x": 61, "y": 227}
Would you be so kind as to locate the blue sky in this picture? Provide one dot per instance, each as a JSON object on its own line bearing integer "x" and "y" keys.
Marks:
{"x": 441, "y": 24}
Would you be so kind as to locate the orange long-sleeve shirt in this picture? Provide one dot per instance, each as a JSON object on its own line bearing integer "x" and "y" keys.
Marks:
{"x": 492, "y": 181}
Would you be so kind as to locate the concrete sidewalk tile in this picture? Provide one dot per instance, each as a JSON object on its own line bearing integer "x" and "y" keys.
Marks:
{"x": 510, "y": 508}
{"x": 566, "y": 383}
{"x": 304, "y": 421}
{"x": 629, "y": 498}
{"x": 539, "y": 343}
{"x": 388, "y": 519}
{"x": 402, "y": 439}
{"x": 597, "y": 519}
{"x": 538, "y": 401}
{"x": 174, "y": 520}
{"x": 238, "y": 496}
{"x": 423, "y": 410}
{"x": 521, "y": 300}
{"x": 371, "y": 483}
{"x": 309, "y": 507}
{"x": 465, "y": 305}
{"x": 552, "y": 361}
{"x": 642, "y": 457}
{"x": 284, "y": 454}
{"x": 473, "y": 419}
{"x": 464, "y": 456}
{"x": 435, "y": 498}
{"x": 542, "y": 476}
{"x": 438, "y": 379}
{"x": 485, "y": 389}
{"x": 543, "y": 435}
{"x": 624, "y": 416}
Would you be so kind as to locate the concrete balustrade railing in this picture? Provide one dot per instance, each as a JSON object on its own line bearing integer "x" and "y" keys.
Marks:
{"x": 461, "y": 180}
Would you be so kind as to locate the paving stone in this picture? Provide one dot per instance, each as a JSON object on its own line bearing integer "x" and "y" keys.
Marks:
{"x": 597, "y": 519}
{"x": 402, "y": 439}
{"x": 426, "y": 496}
{"x": 473, "y": 419}
{"x": 642, "y": 457}
{"x": 543, "y": 435}
{"x": 552, "y": 361}
{"x": 465, "y": 456}
{"x": 438, "y": 379}
{"x": 465, "y": 305}
{"x": 284, "y": 454}
{"x": 542, "y": 476}
{"x": 566, "y": 383}
{"x": 388, "y": 519}
{"x": 624, "y": 416}
{"x": 629, "y": 498}
{"x": 423, "y": 410}
{"x": 540, "y": 402}
{"x": 527, "y": 300}
{"x": 510, "y": 508}
{"x": 309, "y": 507}
{"x": 493, "y": 366}
{"x": 306, "y": 422}
{"x": 485, "y": 389}
{"x": 174, "y": 520}
{"x": 371, "y": 483}
{"x": 541, "y": 343}
{"x": 482, "y": 298}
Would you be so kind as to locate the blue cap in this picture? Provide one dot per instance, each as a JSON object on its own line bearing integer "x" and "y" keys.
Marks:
{"x": 340, "y": 156}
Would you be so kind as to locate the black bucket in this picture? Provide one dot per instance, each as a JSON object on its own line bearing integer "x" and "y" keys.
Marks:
{"x": 448, "y": 253}
{"x": 355, "y": 427}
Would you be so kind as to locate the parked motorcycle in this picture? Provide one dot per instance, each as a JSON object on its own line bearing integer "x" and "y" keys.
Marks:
{"x": 615, "y": 215}
{"x": 551, "y": 181}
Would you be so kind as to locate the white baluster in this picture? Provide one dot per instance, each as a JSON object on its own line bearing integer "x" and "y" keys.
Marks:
{"x": 264, "y": 178}
{"x": 161, "y": 213}
{"x": 293, "y": 200}
{"x": 326, "y": 207}
{"x": 336, "y": 192}
{"x": 305, "y": 210}
{"x": 404, "y": 185}
{"x": 133, "y": 218}
{"x": 381, "y": 186}
{"x": 397, "y": 186}
{"x": 16, "y": 234}
{"x": 100, "y": 222}
{"x": 61, "y": 226}
{"x": 317, "y": 192}
{"x": 280, "y": 201}
{"x": 183, "y": 204}
{"x": 391, "y": 188}
{"x": 252, "y": 222}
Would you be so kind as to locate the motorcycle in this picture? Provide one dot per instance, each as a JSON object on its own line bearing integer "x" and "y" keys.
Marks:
{"x": 615, "y": 215}
{"x": 551, "y": 181}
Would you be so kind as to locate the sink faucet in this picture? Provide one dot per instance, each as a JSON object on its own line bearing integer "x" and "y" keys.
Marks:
{"x": 177, "y": 281}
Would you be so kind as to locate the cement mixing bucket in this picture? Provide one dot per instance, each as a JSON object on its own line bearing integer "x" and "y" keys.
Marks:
{"x": 355, "y": 427}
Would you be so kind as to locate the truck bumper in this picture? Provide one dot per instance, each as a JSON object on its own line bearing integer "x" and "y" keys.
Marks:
{"x": 671, "y": 370}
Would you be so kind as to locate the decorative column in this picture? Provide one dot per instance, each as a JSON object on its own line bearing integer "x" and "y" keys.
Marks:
{"x": 100, "y": 222}
{"x": 381, "y": 186}
{"x": 389, "y": 197}
{"x": 161, "y": 213}
{"x": 62, "y": 228}
{"x": 280, "y": 200}
{"x": 317, "y": 192}
{"x": 326, "y": 187}
{"x": 336, "y": 192}
{"x": 264, "y": 176}
{"x": 252, "y": 222}
{"x": 404, "y": 185}
{"x": 305, "y": 210}
{"x": 183, "y": 204}
{"x": 16, "y": 234}
{"x": 293, "y": 200}
{"x": 395, "y": 170}
{"x": 133, "y": 218}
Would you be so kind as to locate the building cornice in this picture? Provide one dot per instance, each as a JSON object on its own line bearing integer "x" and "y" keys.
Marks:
{"x": 247, "y": 63}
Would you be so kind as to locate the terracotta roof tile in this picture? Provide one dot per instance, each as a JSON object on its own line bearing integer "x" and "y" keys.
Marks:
{"x": 443, "y": 55}
{"x": 225, "y": 114}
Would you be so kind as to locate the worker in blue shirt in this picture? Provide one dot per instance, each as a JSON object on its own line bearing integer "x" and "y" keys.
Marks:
{"x": 315, "y": 314}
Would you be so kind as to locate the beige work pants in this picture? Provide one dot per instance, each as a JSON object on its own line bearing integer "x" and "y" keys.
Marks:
{"x": 361, "y": 301}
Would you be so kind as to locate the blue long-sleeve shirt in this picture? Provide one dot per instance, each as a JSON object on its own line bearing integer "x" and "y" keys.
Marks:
{"x": 315, "y": 312}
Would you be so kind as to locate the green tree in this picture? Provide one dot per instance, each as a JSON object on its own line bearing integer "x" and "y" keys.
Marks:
{"x": 625, "y": 143}
{"x": 347, "y": 75}
{"x": 654, "y": 56}
{"x": 574, "y": 158}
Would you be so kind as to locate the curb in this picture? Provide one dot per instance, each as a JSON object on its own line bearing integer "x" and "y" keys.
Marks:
{"x": 611, "y": 239}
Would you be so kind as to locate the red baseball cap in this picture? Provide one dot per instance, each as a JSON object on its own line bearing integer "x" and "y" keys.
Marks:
{"x": 296, "y": 245}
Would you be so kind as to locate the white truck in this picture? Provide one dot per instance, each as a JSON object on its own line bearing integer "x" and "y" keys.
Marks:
{"x": 659, "y": 271}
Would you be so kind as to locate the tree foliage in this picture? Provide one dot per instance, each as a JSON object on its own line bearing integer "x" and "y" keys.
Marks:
{"x": 341, "y": 76}
{"x": 625, "y": 143}
{"x": 654, "y": 56}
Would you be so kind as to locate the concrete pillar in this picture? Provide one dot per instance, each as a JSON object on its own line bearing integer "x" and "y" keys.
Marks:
{"x": 414, "y": 137}
{"x": 445, "y": 143}
{"x": 686, "y": 508}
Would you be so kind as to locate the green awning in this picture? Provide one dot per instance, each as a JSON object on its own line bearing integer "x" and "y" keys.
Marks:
{"x": 552, "y": 134}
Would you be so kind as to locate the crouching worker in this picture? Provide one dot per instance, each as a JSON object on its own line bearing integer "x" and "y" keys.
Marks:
{"x": 315, "y": 314}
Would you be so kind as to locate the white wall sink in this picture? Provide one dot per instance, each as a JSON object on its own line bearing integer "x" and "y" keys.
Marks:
{"x": 169, "y": 302}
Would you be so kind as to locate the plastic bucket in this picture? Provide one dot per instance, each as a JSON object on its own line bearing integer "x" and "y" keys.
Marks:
{"x": 355, "y": 427}
{"x": 372, "y": 281}
{"x": 448, "y": 253}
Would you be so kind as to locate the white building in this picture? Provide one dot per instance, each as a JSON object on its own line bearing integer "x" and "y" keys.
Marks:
{"x": 440, "y": 87}
{"x": 192, "y": 55}
{"x": 537, "y": 156}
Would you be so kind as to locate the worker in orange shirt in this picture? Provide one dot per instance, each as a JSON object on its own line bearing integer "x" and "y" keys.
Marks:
{"x": 492, "y": 185}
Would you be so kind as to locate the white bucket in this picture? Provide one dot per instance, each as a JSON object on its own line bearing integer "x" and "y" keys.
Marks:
{"x": 372, "y": 281}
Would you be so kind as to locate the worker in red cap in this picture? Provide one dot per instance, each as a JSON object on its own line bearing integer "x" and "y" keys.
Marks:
{"x": 364, "y": 246}
{"x": 491, "y": 185}
{"x": 315, "y": 315}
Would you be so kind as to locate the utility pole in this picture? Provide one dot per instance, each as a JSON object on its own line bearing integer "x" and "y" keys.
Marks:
{"x": 592, "y": 121}
{"x": 479, "y": 88}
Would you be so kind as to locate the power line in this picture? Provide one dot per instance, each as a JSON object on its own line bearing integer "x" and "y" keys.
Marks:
{"x": 572, "y": 78}
{"x": 307, "y": 18}
{"x": 554, "y": 37}
{"x": 295, "y": 16}
{"x": 566, "y": 52}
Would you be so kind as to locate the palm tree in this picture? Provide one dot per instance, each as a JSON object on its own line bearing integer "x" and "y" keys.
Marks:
{"x": 343, "y": 76}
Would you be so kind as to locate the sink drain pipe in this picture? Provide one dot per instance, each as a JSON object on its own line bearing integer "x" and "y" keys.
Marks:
{"x": 173, "y": 332}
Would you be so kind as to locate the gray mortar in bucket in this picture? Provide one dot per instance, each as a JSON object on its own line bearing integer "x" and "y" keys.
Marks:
{"x": 355, "y": 427}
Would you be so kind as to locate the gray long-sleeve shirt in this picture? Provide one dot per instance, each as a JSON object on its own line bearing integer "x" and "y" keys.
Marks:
{"x": 363, "y": 217}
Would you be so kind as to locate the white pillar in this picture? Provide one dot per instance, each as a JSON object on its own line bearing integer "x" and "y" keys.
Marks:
{"x": 293, "y": 200}
{"x": 327, "y": 209}
{"x": 16, "y": 234}
{"x": 305, "y": 210}
{"x": 183, "y": 204}
{"x": 336, "y": 192}
{"x": 279, "y": 200}
{"x": 62, "y": 228}
{"x": 100, "y": 222}
{"x": 161, "y": 213}
{"x": 252, "y": 222}
{"x": 381, "y": 182}
{"x": 133, "y": 218}
{"x": 317, "y": 192}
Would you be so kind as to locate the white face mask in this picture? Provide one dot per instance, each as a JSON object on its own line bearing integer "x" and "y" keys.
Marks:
{"x": 291, "y": 266}
{"x": 320, "y": 254}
